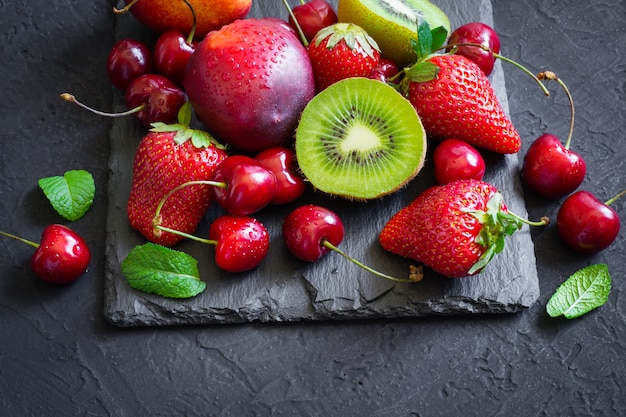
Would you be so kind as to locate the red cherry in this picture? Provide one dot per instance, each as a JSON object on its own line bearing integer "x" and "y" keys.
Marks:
{"x": 306, "y": 229}
{"x": 243, "y": 186}
{"x": 586, "y": 224}
{"x": 150, "y": 98}
{"x": 241, "y": 242}
{"x": 385, "y": 71}
{"x": 171, "y": 53}
{"x": 61, "y": 257}
{"x": 281, "y": 161}
{"x": 156, "y": 98}
{"x": 127, "y": 60}
{"x": 457, "y": 160}
{"x": 312, "y": 16}
{"x": 310, "y": 231}
{"x": 549, "y": 167}
{"x": 481, "y": 34}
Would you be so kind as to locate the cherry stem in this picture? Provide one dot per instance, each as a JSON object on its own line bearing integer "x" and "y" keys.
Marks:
{"x": 125, "y": 8}
{"x": 157, "y": 215}
{"x": 28, "y": 242}
{"x": 612, "y": 200}
{"x": 549, "y": 75}
{"x": 503, "y": 58}
{"x": 544, "y": 221}
{"x": 415, "y": 273}
{"x": 187, "y": 235}
{"x": 193, "y": 26}
{"x": 69, "y": 97}
{"x": 299, "y": 29}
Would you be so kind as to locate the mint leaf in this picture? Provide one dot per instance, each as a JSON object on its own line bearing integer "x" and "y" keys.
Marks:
{"x": 163, "y": 271}
{"x": 71, "y": 195}
{"x": 585, "y": 290}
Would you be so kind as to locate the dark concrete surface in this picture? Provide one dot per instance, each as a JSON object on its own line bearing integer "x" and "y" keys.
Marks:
{"x": 59, "y": 356}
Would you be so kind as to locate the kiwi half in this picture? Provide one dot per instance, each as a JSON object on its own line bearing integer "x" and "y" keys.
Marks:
{"x": 392, "y": 23}
{"x": 360, "y": 139}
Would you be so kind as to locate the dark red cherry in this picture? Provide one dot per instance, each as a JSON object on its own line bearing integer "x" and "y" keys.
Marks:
{"x": 282, "y": 162}
{"x": 457, "y": 160}
{"x": 159, "y": 98}
{"x": 313, "y": 16}
{"x": 171, "y": 53}
{"x": 481, "y": 34}
{"x": 127, "y": 60}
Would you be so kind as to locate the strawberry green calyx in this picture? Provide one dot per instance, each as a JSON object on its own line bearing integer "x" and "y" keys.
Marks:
{"x": 199, "y": 138}
{"x": 353, "y": 35}
{"x": 497, "y": 223}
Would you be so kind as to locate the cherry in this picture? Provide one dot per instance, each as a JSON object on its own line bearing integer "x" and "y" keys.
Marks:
{"x": 308, "y": 18}
{"x": 281, "y": 161}
{"x": 127, "y": 60}
{"x": 243, "y": 186}
{"x": 481, "y": 34}
{"x": 172, "y": 51}
{"x": 586, "y": 224}
{"x": 150, "y": 98}
{"x": 311, "y": 231}
{"x": 386, "y": 71}
{"x": 157, "y": 98}
{"x": 456, "y": 160}
{"x": 481, "y": 44}
{"x": 61, "y": 257}
{"x": 549, "y": 167}
{"x": 241, "y": 242}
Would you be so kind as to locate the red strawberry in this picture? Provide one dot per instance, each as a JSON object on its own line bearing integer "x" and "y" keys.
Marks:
{"x": 460, "y": 102}
{"x": 454, "y": 98}
{"x": 455, "y": 229}
{"x": 341, "y": 51}
{"x": 168, "y": 156}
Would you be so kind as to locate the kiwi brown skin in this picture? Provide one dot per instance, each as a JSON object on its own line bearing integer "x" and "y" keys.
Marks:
{"x": 359, "y": 140}
{"x": 390, "y": 25}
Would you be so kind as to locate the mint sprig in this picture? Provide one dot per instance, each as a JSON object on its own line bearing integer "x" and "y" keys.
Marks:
{"x": 163, "y": 271}
{"x": 71, "y": 195}
{"x": 582, "y": 292}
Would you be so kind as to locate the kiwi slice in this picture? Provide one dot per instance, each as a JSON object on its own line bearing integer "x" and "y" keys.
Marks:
{"x": 360, "y": 139}
{"x": 392, "y": 23}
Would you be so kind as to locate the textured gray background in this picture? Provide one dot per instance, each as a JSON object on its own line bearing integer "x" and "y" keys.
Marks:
{"x": 58, "y": 355}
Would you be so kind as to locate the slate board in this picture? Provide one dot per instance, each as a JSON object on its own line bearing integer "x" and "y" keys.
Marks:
{"x": 285, "y": 289}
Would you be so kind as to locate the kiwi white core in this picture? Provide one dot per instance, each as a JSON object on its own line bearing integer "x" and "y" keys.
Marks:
{"x": 359, "y": 138}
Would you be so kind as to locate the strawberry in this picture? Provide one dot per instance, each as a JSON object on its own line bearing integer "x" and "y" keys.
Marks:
{"x": 168, "y": 156}
{"x": 342, "y": 50}
{"x": 455, "y": 229}
{"x": 454, "y": 98}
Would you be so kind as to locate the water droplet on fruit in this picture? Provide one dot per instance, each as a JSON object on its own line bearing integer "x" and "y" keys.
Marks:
{"x": 226, "y": 76}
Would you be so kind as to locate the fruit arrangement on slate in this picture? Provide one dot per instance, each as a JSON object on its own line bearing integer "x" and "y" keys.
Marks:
{"x": 248, "y": 113}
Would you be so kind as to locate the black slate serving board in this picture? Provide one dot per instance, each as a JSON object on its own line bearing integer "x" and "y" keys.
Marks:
{"x": 285, "y": 289}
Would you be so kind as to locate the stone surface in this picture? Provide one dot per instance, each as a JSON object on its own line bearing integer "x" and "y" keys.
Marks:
{"x": 283, "y": 289}
{"x": 60, "y": 357}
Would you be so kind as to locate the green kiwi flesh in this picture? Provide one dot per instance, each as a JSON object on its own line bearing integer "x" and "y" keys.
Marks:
{"x": 392, "y": 23}
{"x": 360, "y": 139}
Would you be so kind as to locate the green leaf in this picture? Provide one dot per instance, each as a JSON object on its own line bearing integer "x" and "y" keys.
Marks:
{"x": 163, "y": 271}
{"x": 422, "y": 72}
{"x": 439, "y": 36}
{"x": 582, "y": 292}
{"x": 71, "y": 195}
